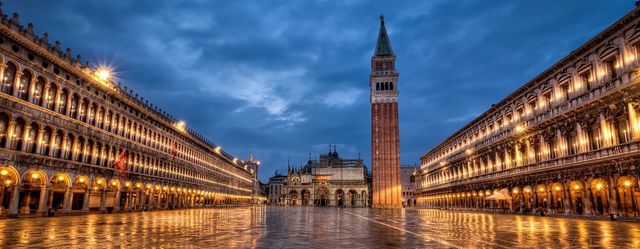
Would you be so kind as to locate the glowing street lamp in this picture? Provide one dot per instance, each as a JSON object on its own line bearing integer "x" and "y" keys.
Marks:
{"x": 103, "y": 73}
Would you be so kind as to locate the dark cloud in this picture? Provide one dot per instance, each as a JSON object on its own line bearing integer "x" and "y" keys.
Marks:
{"x": 286, "y": 78}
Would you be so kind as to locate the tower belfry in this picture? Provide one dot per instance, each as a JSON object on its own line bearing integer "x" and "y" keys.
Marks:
{"x": 385, "y": 142}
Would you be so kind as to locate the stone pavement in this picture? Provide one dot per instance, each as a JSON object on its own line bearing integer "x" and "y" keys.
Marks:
{"x": 301, "y": 227}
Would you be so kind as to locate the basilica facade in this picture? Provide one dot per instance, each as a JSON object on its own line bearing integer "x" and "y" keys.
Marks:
{"x": 567, "y": 142}
{"x": 72, "y": 140}
{"x": 328, "y": 182}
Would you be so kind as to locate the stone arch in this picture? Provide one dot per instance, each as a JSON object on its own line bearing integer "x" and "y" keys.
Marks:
{"x": 627, "y": 188}
{"x": 339, "y": 198}
{"x": 599, "y": 196}
{"x": 24, "y": 84}
{"x": 9, "y": 77}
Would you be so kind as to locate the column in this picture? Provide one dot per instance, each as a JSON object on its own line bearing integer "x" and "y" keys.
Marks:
{"x": 13, "y": 204}
{"x": 150, "y": 204}
{"x": 16, "y": 83}
{"x": 633, "y": 121}
{"x": 587, "y": 199}
{"x": 141, "y": 200}
{"x": 68, "y": 195}
{"x": 129, "y": 200}
{"x": 116, "y": 201}
{"x": 613, "y": 203}
{"x": 87, "y": 198}
{"x": 567, "y": 197}
{"x": 42, "y": 204}
{"x": 103, "y": 201}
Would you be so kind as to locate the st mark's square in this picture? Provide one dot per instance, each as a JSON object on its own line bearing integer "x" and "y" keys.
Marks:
{"x": 277, "y": 124}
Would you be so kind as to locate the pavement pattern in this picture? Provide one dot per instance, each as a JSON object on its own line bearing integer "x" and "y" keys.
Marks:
{"x": 302, "y": 227}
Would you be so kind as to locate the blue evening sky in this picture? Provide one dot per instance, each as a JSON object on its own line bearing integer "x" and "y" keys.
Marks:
{"x": 286, "y": 78}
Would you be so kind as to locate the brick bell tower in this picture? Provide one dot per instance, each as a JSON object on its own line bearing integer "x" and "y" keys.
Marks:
{"x": 385, "y": 142}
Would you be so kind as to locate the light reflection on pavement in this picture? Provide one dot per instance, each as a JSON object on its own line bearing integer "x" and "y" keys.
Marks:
{"x": 279, "y": 227}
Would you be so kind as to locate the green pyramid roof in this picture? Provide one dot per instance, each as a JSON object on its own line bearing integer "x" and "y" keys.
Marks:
{"x": 383, "y": 46}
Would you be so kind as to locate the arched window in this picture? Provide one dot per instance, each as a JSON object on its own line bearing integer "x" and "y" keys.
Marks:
{"x": 63, "y": 101}
{"x": 18, "y": 133}
{"x": 51, "y": 96}
{"x": 38, "y": 91}
{"x": 24, "y": 85}
{"x": 391, "y": 86}
{"x": 8, "y": 78}
{"x": 4, "y": 127}
{"x": 31, "y": 137}
{"x": 378, "y": 86}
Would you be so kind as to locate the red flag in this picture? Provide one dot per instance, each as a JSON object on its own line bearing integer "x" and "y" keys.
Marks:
{"x": 174, "y": 149}
{"x": 121, "y": 163}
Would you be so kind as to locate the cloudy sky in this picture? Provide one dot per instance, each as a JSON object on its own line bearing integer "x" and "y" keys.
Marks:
{"x": 286, "y": 78}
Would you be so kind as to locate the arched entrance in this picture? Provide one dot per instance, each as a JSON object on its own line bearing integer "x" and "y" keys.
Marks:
{"x": 293, "y": 198}
{"x": 339, "y": 198}
{"x": 576, "y": 193}
{"x": 627, "y": 191}
{"x": 8, "y": 189}
{"x": 322, "y": 197}
{"x": 600, "y": 197}
{"x": 33, "y": 193}
{"x": 59, "y": 193}
{"x": 306, "y": 197}
{"x": 80, "y": 197}
{"x": 353, "y": 198}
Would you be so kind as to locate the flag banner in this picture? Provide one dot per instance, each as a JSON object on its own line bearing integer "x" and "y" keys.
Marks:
{"x": 174, "y": 149}
{"x": 121, "y": 163}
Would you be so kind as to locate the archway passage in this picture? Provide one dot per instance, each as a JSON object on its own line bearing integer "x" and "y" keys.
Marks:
{"x": 306, "y": 196}
{"x": 322, "y": 197}
{"x": 33, "y": 191}
{"x": 339, "y": 198}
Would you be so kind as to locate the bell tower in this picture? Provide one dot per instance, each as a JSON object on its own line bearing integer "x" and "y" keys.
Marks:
{"x": 385, "y": 142}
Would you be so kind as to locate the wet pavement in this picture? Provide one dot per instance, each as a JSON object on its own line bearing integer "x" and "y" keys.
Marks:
{"x": 278, "y": 227}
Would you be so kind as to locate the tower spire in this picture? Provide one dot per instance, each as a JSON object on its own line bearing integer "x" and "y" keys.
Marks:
{"x": 383, "y": 46}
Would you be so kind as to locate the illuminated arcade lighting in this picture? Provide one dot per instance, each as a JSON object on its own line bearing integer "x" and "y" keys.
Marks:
{"x": 4, "y": 172}
{"x": 599, "y": 186}
{"x": 60, "y": 178}
{"x": 627, "y": 183}
{"x": 35, "y": 175}
{"x": 81, "y": 180}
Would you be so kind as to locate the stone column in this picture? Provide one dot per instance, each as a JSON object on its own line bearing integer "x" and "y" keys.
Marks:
{"x": 87, "y": 199}
{"x": 566, "y": 198}
{"x": 549, "y": 198}
{"x": 68, "y": 195}
{"x": 129, "y": 200}
{"x": 116, "y": 201}
{"x": 613, "y": 203}
{"x": 25, "y": 135}
{"x": 150, "y": 204}
{"x": 42, "y": 203}
{"x": 13, "y": 204}
{"x": 103, "y": 201}
{"x": 16, "y": 84}
{"x": 587, "y": 200}
{"x": 141, "y": 200}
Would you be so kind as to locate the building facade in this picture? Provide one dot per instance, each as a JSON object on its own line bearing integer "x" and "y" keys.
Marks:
{"x": 328, "y": 182}
{"x": 385, "y": 139}
{"x": 275, "y": 187}
{"x": 567, "y": 142}
{"x": 72, "y": 140}
{"x": 408, "y": 182}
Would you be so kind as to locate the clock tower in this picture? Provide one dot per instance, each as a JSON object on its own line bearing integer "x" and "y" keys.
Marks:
{"x": 385, "y": 142}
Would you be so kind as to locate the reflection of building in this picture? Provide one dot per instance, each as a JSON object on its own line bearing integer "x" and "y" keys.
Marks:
{"x": 64, "y": 130}
{"x": 385, "y": 141}
{"x": 408, "y": 181}
{"x": 330, "y": 181}
{"x": 568, "y": 141}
